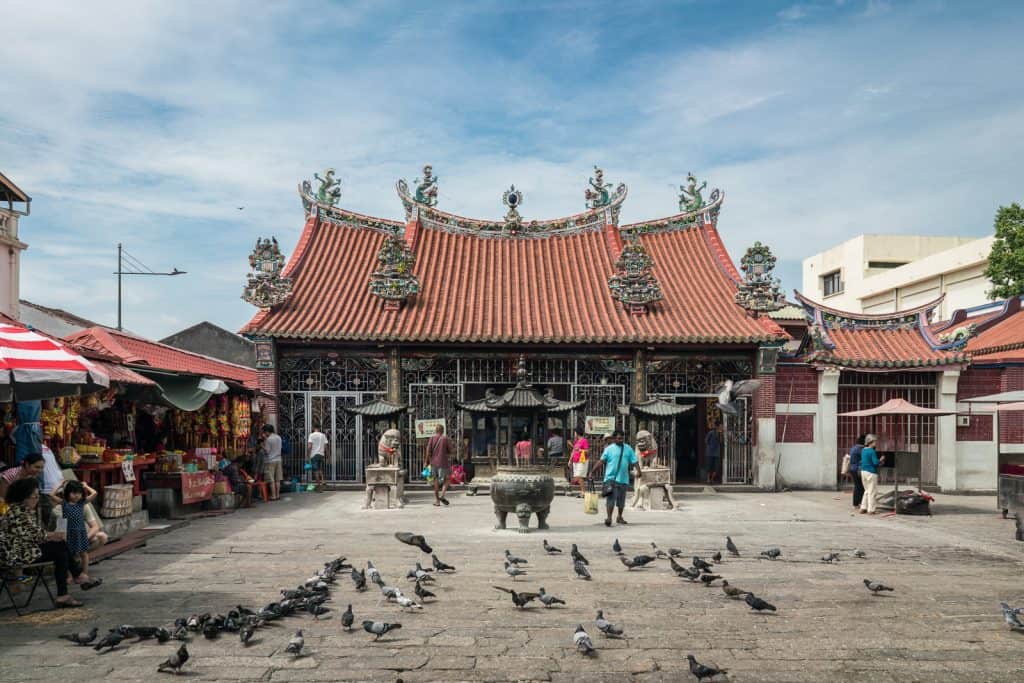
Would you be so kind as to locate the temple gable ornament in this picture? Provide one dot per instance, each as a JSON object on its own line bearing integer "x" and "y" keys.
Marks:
{"x": 760, "y": 291}
{"x": 394, "y": 280}
{"x": 633, "y": 283}
{"x": 265, "y": 286}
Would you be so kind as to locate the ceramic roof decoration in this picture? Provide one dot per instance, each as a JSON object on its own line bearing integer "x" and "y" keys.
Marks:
{"x": 393, "y": 281}
{"x": 266, "y": 286}
{"x": 877, "y": 341}
{"x": 760, "y": 291}
{"x": 515, "y": 280}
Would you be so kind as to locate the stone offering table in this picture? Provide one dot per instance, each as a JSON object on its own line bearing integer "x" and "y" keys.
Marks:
{"x": 653, "y": 479}
{"x": 385, "y": 487}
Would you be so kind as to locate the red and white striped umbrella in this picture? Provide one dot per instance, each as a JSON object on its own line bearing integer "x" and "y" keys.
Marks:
{"x": 34, "y": 367}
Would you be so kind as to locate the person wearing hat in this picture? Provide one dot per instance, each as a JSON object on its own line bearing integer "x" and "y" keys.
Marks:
{"x": 869, "y": 464}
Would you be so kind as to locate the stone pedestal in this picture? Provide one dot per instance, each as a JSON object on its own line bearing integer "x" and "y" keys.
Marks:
{"x": 654, "y": 484}
{"x": 385, "y": 487}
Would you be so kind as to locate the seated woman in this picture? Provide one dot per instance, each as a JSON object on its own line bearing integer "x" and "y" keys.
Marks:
{"x": 524, "y": 450}
{"x": 24, "y": 542}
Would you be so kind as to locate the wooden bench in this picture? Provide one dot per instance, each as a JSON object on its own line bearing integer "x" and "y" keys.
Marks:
{"x": 38, "y": 571}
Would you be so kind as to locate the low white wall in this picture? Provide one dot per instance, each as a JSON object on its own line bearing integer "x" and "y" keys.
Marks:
{"x": 800, "y": 467}
{"x": 976, "y": 465}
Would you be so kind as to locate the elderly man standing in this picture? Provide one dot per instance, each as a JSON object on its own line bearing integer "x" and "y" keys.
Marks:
{"x": 439, "y": 453}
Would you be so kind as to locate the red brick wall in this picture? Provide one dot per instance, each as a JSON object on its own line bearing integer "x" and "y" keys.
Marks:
{"x": 796, "y": 384}
{"x": 794, "y": 428}
{"x": 978, "y": 382}
{"x": 764, "y": 397}
{"x": 1011, "y": 425}
{"x": 267, "y": 380}
{"x": 979, "y": 430}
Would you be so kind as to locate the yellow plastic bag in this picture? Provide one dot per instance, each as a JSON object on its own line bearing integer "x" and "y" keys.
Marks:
{"x": 590, "y": 500}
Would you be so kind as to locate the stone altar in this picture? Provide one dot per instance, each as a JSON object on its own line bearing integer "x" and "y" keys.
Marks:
{"x": 650, "y": 479}
{"x": 385, "y": 487}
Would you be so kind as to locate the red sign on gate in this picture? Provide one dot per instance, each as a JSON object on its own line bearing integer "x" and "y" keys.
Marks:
{"x": 196, "y": 487}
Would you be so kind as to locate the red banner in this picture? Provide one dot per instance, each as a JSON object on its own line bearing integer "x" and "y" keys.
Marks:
{"x": 196, "y": 487}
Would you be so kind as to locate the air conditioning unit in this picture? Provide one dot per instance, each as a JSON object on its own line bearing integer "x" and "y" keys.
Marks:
{"x": 963, "y": 420}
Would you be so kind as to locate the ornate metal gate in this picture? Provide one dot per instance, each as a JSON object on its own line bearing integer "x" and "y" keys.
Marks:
{"x": 432, "y": 401}
{"x": 350, "y": 439}
{"x": 602, "y": 399}
{"x": 737, "y": 446}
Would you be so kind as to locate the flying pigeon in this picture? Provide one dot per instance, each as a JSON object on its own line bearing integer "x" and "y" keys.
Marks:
{"x": 245, "y": 635}
{"x": 732, "y": 591}
{"x": 296, "y": 643}
{"x": 520, "y": 600}
{"x": 514, "y": 571}
{"x": 512, "y": 559}
{"x": 582, "y": 641}
{"x": 175, "y": 661}
{"x": 581, "y": 570}
{"x": 731, "y": 547}
{"x": 413, "y": 539}
{"x": 577, "y": 556}
{"x": 1012, "y": 617}
{"x": 758, "y": 604}
{"x": 422, "y": 593}
{"x": 347, "y": 618}
{"x": 441, "y": 566}
{"x": 729, "y": 391}
{"x": 606, "y": 627}
{"x": 110, "y": 641}
{"x": 708, "y": 579}
{"x": 81, "y": 638}
{"x": 700, "y": 671}
{"x": 771, "y": 553}
{"x": 616, "y": 548}
{"x": 830, "y": 558}
{"x": 548, "y": 600}
{"x": 876, "y": 587}
{"x": 378, "y": 628}
{"x": 550, "y": 549}
{"x": 359, "y": 578}
{"x": 408, "y": 603}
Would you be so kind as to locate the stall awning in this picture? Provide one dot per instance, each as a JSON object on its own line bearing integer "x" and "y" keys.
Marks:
{"x": 897, "y": 406}
{"x": 122, "y": 375}
{"x": 186, "y": 392}
{"x": 34, "y": 366}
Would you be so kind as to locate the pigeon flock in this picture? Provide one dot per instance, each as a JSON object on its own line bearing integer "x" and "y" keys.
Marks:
{"x": 309, "y": 598}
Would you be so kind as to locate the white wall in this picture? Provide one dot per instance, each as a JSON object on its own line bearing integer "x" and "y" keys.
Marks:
{"x": 9, "y": 263}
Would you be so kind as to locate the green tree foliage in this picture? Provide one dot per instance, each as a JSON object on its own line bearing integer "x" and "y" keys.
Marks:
{"x": 1006, "y": 261}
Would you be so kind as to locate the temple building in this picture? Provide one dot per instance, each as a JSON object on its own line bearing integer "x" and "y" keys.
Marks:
{"x": 432, "y": 313}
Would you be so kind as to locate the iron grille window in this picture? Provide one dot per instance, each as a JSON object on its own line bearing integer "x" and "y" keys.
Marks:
{"x": 832, "y": 283}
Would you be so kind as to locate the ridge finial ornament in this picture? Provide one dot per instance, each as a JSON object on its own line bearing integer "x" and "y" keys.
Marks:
{"x": 426, "y": 190}
{"x": 265, "y": 286}
{"x": 598, "y": 194}
{"x": 512, "y": 199}
{"x": 760, "y": 291}
{"x": 329, "y": 191}
{"x": 634, "y": 283}
{"x": 394, "y": 280}
{"x": 690, "y": 198}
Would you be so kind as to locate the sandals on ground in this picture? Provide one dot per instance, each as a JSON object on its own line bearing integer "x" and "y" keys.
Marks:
{"x": 68, "y": 604}
{"x": 89, "y": 585}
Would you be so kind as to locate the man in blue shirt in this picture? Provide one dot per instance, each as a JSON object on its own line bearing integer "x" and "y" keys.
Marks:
{"x": 617, "y": 459}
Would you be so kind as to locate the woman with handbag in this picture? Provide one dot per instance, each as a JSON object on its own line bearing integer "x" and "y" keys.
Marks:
{"x": 617, "y": 461}
{"x": 853, "y": 469}
{"x": 578, "y": 460}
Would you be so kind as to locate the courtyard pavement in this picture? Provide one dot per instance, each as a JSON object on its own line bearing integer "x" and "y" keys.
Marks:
{"x": 942, "y": 623}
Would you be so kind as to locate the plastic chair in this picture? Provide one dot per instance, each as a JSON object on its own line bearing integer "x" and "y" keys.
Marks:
{"x": 257, "y": 485}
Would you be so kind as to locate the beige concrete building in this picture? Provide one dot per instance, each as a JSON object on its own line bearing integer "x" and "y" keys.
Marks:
{"x": 13, "y": 204}
{"x": 888, "y": 273}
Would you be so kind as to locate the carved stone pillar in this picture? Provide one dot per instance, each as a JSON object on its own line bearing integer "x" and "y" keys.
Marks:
{"x": 766, "y": 454}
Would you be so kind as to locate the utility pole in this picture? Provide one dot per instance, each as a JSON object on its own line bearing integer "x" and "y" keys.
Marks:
{"x": 138, "y": 268}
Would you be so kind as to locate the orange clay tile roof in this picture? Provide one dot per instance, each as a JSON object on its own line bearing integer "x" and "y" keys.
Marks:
{"x": 140, "y": 353}
{"x": 497, "y": 289}
{"x": 1001, "y": 342}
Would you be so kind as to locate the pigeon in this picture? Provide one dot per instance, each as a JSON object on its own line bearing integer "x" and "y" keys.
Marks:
{"x": 347, "y": 618}
{"x": 771, "y": 553}
{"x": 708, "y": 579}
{"x": 413, "y": 539}
{"x": 627, "y": 561}
{"x": 732, "y": 591}
{"x": 606, "y": 627}
{"x": 658, "y": 552}
{"x": 390, "y": 592}
{"x": 550, "y": 549}
{"x": 548, "y": 600}
{"x": 514, "y": 571}
{"x": 81, "y": 638}
{"x": 859, "y": 553}
{"x": 109, "y": 641}
{"x": 316, "y": 610}
{"x": 700, "y": 671}
{"x": 180, "y": 633}
{"x": 512, "y": 559}
{"x": 520, "y": 600}
{"x": 211, "y": 630}
{"x": 758, "y": 604}
{"x": 731, "y": 547}
{"x": 422, "y": 593}
{"x": 372, "y": 573}
{"x": 581, "y": 570}
{"x": 193, "y": 622}
{"x": 378, "y": 628}
{"x": 876, "y": 587}
{"x": 616, "y": 547}
{"x": 359, "y": 578}
{"x": 147, "y": 632}
{"x": 407, "y": 603}
{"x": 701, "y": 564}
{"x": 577, "y": 556}
{"x": 717, "y": 557}
{"x": 729, "y": 391}
{"x": 644, "y": 560}
{"x": 175, "y": 661}
{"x": 676, "y": 567}
{"x": 674, "y": 552}
{"x": 441, "y": 566}
{"x": 691, "y": 573}
{"x": 296, "y": 643}
{"x": 419, "y": 574}
{"x": 581, "y": 639}
{"x": 830, "y": 558}
{"x": 1011, "y": 616}
{"x": 245, "y": 635}
{"x": 126, "y": 630}
{"x": 244, "y": 611}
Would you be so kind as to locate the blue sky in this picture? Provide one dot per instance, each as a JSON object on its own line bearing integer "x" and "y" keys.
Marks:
{"x": 150, "y": 122}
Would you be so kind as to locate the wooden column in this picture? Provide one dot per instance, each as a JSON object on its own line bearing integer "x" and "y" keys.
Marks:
{"x": 394, "y": 375}
{"x": 639, "y": 392}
